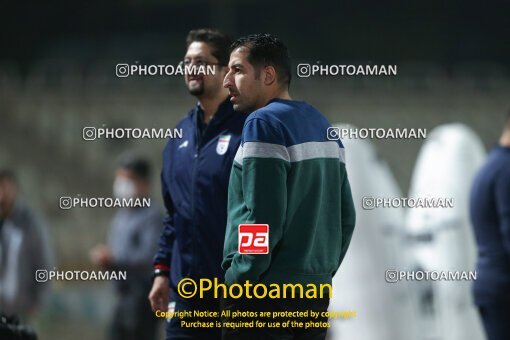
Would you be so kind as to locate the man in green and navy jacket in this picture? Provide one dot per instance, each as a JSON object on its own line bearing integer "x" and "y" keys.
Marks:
{"x": 286, "y": 174}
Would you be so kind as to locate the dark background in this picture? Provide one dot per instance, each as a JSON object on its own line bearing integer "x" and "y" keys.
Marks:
{"x": 444, "y": 32}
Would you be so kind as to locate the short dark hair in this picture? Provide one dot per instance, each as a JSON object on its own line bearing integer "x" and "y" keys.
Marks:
{"x": 219, "y": 41}
{"x": 267, "y": 50}
{"x": 140, "y": 167}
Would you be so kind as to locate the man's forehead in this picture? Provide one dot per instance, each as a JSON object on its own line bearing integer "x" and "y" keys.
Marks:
{"x": 238, "y": 56}
{"x": 198, "y": 49}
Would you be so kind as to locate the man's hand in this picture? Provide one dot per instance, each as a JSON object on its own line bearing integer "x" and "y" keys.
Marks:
{"x": 159, "y": 294}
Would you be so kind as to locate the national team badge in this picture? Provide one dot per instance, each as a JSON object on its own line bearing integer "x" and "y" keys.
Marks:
{"x": 222, "y": 146}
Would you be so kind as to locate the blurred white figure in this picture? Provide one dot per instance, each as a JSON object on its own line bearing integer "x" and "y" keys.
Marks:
{"x": 383, "y": 310}
{"x": 443, "y": 237}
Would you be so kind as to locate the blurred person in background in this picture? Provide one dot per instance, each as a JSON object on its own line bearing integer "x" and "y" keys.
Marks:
{"x": 195, "y": 175}
{"x": 132, "y": 241}
{"x": 24, "y": 248}
{"x": 490, "y": 214}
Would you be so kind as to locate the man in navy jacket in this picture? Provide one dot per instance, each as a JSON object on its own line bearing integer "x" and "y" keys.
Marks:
{"x": 490, "y": 213}
{"x": 195, "y": 175}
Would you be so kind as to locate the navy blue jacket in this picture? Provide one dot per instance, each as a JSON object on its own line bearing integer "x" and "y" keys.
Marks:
{"x": 490, "y": 213}
{"x": 195, "y": 176}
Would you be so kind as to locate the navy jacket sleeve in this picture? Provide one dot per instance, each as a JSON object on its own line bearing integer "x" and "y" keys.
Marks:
{"x": 166, "y": 240}
{"x": 503, "y": 209}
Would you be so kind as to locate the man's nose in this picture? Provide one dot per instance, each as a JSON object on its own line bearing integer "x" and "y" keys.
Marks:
{"x": 227, "y": 81}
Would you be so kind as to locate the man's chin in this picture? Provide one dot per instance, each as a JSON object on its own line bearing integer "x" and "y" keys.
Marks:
{"x": 197, "y": 91}
{"x": 237, "y": 107}
{"x": 241, "y": 108}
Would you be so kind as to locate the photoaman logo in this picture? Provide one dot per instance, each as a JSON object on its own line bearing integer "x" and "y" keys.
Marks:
{"x": 253, "y": 239}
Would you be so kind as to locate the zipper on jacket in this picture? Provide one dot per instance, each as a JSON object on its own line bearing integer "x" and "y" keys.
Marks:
{"x": 194, "y": 229}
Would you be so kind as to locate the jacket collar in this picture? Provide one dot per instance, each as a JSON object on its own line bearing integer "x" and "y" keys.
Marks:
{"x": 225, "y": 110}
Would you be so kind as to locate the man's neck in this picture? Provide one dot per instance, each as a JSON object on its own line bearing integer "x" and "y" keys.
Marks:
{"x": 210, "y": 105}
{"x": 282, "y": 94}
{"x": 279, "y": 94}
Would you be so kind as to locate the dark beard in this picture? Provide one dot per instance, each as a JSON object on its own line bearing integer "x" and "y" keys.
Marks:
{"x": 198, "y": 91}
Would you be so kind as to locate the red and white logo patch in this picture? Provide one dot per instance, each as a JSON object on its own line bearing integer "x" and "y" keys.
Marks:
{"x": 253, "y": 238}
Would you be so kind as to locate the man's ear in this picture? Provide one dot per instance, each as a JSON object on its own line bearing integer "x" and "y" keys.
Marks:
{"x": 269, "y": 75}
